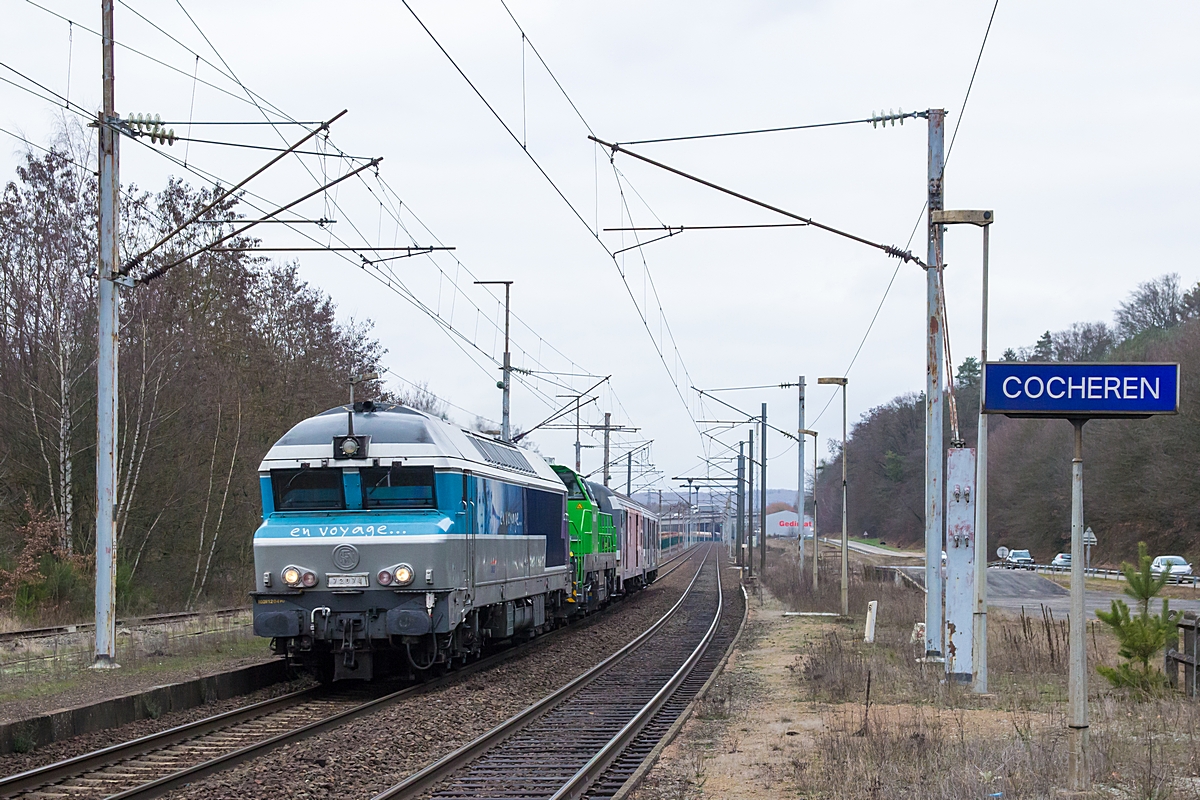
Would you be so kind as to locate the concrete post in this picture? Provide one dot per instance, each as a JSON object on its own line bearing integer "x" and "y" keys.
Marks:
{"x": 762, "y": 511}
{"x": 845, "y": 517}
{"x": 109, "y": 328}
{"x": 750, "y": 509}
{"x": 800, "y": 476}
{"x": 933, "y": 396}
{"x": 741, "y": 501}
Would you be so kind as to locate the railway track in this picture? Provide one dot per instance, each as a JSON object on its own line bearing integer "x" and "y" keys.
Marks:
{"x": 588, "y": 738}
{"x": 155, "y": 764}
{"x": 153, "y": 619}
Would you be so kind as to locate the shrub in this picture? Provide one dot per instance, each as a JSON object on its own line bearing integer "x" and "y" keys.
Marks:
{"x": 1142, "y": 636}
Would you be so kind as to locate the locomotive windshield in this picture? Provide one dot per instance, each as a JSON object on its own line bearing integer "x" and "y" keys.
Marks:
{"x": 574, "y": 491}
{"x": 308, "y": 489}
{"x": 398, "y": 487}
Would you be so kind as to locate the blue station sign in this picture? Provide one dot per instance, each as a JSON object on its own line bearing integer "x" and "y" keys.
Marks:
{"x": 1043, "y": 389}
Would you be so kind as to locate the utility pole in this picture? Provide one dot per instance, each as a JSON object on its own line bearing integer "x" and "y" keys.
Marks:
{"x": 933, "y": 394}
{"x": 628, "y": 473}
{"x": 741, "y": 500}
{"x": 979, "y": 636}
{"x": 506, "y": 384}
{"x": 984, "y": 220}
{"x": 800, "y": 477}
{"x": 108, "y": 275}
{"x": 842, "y": 381}
{"x": 762, "y": 511}
{"x": 578, "y": 445}
{"x": 750, "y": 511}
{"x": 816, "y": 573}
{"x": 691, "y": 517}
{"x": 607, "y": 429}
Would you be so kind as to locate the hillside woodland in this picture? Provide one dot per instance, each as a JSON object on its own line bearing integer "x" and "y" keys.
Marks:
{"x": 217, "y": 359}
{"x": 1141, "y": 477}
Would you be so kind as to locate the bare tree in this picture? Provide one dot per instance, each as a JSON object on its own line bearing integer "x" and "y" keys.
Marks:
{"x": 420, "y": 398}
{"x": 1153, "y": 305}
{"x": 1083, "y": 341}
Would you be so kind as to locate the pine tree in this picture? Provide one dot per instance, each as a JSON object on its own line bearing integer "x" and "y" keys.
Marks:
{"x": 1044, "y": 349}
{"x": 1141, "y": 636}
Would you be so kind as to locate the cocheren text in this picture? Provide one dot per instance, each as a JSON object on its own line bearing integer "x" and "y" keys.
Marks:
{"x": 1093, "y": 387}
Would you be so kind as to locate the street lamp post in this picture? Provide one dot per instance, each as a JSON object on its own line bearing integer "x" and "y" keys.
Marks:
{"x": 816, "y": 547}
{"x": 845, "y": 531}
{"x": 506, "y": 384}
{"x": 982, "y": 219}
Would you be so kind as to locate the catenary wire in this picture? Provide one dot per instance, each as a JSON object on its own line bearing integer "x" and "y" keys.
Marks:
{"x": 554, "y": 185}
{"x": 253, "y": 100}
{"x": 909, "y": 115}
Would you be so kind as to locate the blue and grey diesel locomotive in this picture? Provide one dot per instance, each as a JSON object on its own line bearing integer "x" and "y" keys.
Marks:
{"x": 394, "y": 540}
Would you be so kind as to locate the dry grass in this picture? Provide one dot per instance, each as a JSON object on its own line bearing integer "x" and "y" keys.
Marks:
{"x": 893, "y": 728}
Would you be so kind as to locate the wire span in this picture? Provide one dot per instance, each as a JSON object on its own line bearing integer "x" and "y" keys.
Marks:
{"x": 875, "y": 119}
{"x": 895, "y": 252}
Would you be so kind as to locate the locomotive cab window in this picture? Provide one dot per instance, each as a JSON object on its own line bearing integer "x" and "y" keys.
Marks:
{"x": 398, "y": 487}
{"x": 574, "y": 490}
{"x": 308, "y": 489}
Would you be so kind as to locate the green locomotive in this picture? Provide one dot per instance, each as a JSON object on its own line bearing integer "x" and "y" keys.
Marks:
{"x": 593, "y": 542}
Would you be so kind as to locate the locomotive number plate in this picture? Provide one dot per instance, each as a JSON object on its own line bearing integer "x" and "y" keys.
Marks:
{"x": 355, "y": 581}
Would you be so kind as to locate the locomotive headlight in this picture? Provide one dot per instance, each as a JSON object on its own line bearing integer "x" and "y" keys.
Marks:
{"x": 309, "y": 579}
{"x": 384, "y": 577}
{"x": 349, "y": 446}
{"x": 291, "y": 576}
{"x": 404, "y": 574}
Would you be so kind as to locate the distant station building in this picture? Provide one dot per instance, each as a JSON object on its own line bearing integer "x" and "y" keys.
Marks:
{"x": 786, "y": 525}
{"x": 704, "y": 523}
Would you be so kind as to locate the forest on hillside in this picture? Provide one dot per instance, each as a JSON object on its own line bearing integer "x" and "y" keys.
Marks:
{"x": 1141, "y": 477}
{"x": 218, "y": 358}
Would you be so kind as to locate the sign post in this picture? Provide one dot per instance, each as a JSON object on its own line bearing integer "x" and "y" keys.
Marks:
{"x": 1079, "y": 392}
{"x": 1089, "y": 541}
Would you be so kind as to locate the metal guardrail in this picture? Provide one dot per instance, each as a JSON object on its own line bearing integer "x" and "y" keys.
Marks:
{"x": 1094, "y": 572}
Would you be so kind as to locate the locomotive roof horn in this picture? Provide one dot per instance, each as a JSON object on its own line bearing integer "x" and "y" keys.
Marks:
{"x": 351, "y": 446}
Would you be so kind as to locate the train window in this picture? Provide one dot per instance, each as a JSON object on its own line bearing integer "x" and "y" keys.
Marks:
{"x": 308, "y": 489}
{"x": 398, "y": 487}
{"x": 574, "y": 490}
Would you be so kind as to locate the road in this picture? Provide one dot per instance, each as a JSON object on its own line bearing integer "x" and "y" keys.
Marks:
{"x": 1012, "y": 590}
{"x": 872, "y": 550}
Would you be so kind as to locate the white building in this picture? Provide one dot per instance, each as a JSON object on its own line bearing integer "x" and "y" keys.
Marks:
{"x": 786, "y": 525}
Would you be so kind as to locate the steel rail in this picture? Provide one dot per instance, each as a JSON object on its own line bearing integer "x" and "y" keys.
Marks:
{"x": 635, "y": 779}
{"x": 84, "y": 627}
{"x": 87, "y": 762}
{"x": 61, "y": 770}
{"x": 420, "y": 782}
{"x": 582, "y": 780}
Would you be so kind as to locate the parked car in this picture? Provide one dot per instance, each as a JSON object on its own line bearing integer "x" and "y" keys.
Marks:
{"x": 1176, "y": 566}
{"x": 1018, "y": 559}
{"x": 1061, "y": 560}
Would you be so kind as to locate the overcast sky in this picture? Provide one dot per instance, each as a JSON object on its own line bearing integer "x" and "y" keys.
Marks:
{"x": 1079, "y": 133}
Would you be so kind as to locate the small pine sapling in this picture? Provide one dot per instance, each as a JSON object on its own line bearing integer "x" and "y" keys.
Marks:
{"x": 1143, "y": 635}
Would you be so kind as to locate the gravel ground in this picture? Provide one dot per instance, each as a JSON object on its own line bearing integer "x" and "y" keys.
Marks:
{"x": 370, "y": 754}
{"x": 12, "y": 763}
